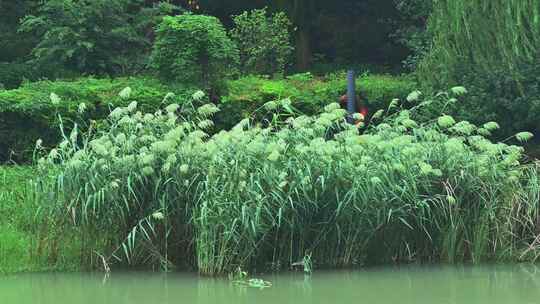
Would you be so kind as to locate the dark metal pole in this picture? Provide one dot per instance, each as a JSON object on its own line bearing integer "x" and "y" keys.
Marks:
{"x": 351, "y": 96}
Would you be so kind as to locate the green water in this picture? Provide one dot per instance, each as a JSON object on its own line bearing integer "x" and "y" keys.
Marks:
{"x": 434, "y": 285}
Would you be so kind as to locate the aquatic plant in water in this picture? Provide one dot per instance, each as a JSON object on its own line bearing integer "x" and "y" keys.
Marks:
{"x": 157, "y": 189}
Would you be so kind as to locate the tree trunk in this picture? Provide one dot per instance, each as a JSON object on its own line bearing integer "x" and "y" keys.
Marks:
{"x": 303, "y": 50}
{"x": 300, "y": 12}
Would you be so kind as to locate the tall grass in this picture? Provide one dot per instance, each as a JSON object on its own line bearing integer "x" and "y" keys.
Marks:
{"x": 26, "y": 242}
{"x": 156, "y": 189}
{"x": 14, "y": 243}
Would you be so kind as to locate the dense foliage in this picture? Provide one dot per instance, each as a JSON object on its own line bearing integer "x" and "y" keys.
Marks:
{"x": 349, "y": 31}
{"x": 194, "y": 48}
{"x": 346, "y": 31}
{"x": 264, "y": 41}
{"x": 156, "y": 189}
{"x": 97, "y": 37}
{"x": 65, "y": 32}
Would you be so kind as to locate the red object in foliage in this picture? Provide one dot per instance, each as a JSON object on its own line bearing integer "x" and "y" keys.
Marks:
{"x": 359, "y": 105}
{"x": 364, "y": 111}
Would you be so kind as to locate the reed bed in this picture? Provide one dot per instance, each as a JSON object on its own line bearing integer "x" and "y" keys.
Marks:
{"x": 158, "y": 190}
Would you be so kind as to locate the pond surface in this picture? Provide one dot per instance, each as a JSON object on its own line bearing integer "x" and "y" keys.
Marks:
{"x": 434, "y": 285}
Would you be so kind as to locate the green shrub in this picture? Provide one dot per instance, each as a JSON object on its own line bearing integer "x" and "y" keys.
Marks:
{"x": 159, "y": 190}
{"x": 27, "y": 113}
{"x": 308, "y": 94}
{"x": 194, "y": 48}
{"x": 264, "y": 41}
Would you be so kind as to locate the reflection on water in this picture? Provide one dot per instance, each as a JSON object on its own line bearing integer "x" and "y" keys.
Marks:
{"x": 486, "y": 284}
